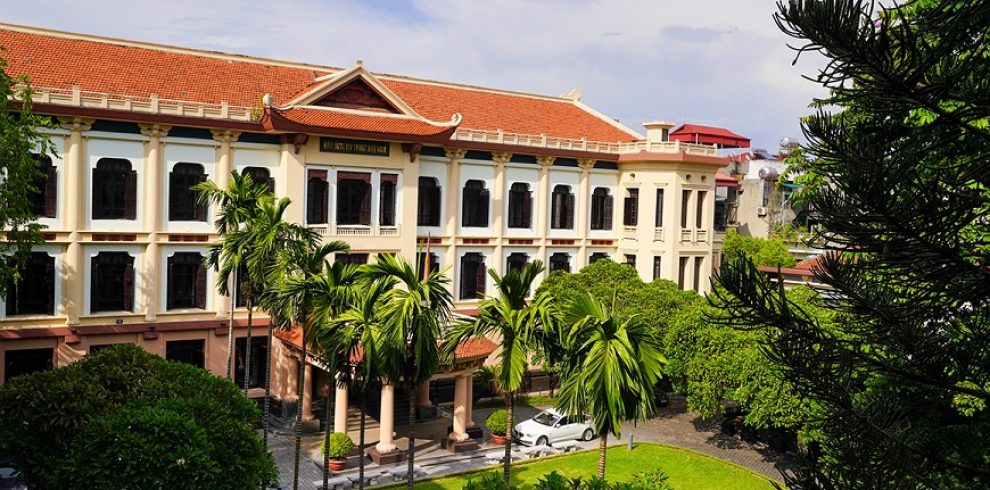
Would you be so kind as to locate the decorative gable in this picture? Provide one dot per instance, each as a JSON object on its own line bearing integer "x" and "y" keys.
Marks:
{"x": 357, "y": 94}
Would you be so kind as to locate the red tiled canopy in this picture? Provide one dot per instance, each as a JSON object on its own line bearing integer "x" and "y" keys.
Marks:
{"x": 710, "y": 135}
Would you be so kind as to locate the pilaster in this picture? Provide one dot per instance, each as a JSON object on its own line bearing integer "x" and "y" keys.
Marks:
{"x": 225, "y": 162}
{"x": 453, "y": 193}
{"x": 74, "y": 208}
{"x": 583, "y": 206}
{"x": 543, "y": 204}
{"x": 501, "y": 159}
{"x": 153, "y": 208}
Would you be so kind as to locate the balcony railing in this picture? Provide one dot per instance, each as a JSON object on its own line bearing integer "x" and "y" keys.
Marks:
{"x": 356, "y": 230}
{"x": 658, "y": 234}
{"x": 629, "y": 232}
{"x": 687, "y": 235}
{"x": 582, "y": 144}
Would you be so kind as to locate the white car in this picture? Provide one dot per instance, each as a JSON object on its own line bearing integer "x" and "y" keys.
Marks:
{"x": 551, "y": 426}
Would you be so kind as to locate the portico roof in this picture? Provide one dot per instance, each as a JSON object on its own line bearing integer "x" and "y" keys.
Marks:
{"x": 477, "y": 348}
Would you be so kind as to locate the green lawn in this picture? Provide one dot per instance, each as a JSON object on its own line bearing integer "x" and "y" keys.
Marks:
{"x": 688, "y": 470}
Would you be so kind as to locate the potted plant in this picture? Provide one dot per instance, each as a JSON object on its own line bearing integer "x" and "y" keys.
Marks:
{"x": 497, "y": 424}
{"x": 341, "y": 446}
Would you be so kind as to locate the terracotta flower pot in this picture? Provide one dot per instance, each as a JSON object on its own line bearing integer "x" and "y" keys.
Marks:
{"x": 337, "y": 464}
{"x": 499, "y": 439}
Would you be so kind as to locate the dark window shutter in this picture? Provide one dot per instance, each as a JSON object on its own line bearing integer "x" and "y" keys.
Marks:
{"x": 96, "y": 204}
{"x": 527, "y": 209}
{"x": 201, "y": 209}
{"x": 482, "y": 272}
{"x": 129, "y": 285}
{"x": 170, "y": 284}
{"x": 485, "y": 197}
{"x": 130, "y": 195}
{"x": 94, "y": 283}
{"x": 434, "y": 219}
{"x": 51, "y": 191}
{"x": 467, "y": 206}
{"x": 366, "y": 206}
{"x": 464, "y": 278}
{"x": 607, "y": 212}
{"x": 200, "y": 286}
{"x": 555, "y": 211}
{"x": 569, "y": 215}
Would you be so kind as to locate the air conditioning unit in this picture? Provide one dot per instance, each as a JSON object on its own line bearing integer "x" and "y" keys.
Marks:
{"x": 761, "y": 211}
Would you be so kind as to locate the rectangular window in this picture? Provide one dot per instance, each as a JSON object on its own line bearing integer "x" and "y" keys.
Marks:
{"x": 186, "y": 281}
{"x": 659, "y": 209}
{"x": 35, "y": 293}
{"x": 698, "y": 261}
{"x": 186, "y": 351}
{"x": 601, "y": 209}
{"x": 353, "y": 198}
{"x": 631, "y": 260}
{"x": 685, "y": 203}
{"x": 114, "y": 189}
{"x": 183, "y": 200}
{"x": 428, "y": 210}
{"x": 112, "y": 282}
{"x": 473, "y": 272}
{"x": 434, "y": 265}
{"x": 656, "y": 267}
{"x": 386, "y": 199}
{"x": 352, "y": 258}
{"x": 44, "y": 201}
{"x": 259, "y": 362}
{"x": 681, "y": 271}
{"x": 630, "y": 211}
{"x": 699, "y": 209}
{"x": 26, "y": 361}
{"x": 317, "y": 197}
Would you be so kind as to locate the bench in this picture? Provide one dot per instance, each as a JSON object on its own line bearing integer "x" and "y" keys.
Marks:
{"x": 335, "y": 482}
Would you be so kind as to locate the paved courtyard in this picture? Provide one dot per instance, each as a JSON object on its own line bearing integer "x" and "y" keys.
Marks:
{"x": 675, "y": 426}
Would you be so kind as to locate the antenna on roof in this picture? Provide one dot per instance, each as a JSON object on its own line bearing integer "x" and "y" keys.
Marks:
{"x": 574, "y": 94}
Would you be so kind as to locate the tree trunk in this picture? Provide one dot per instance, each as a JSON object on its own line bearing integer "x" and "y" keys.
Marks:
{"x": 602, "y": 447}
{"x": 299, "y": 412}
{"x": 364, "y": 409}
{"x": 510, "y": 402}
{"x": 268, "y": 390}
{"x": 327, "y": 413}
{"x": 230, "y": 334}
{"x": 247, "y": 346}
{"x": 412, "y": 430}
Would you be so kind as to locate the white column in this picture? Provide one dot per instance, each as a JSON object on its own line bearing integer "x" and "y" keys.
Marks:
{"x": 423, "y": 400}
{"x": 225, "y": 162}
{"x": 499, "y": 203}
{"x": 340, "y": 409}
{"x": 386, "y": 422}
{"x": 460, "y": 409}
{"x": 153, "y": 208}
{"x": 74, "y": 210}
{"x": 453, "y": 210}
{"x": 469, "y": 401}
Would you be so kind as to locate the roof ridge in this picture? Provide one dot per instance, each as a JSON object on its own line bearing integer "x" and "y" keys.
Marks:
{"x": 44, "y": 31}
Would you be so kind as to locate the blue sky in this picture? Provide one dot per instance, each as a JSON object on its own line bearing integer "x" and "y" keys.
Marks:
{"x": 716, "y": 62}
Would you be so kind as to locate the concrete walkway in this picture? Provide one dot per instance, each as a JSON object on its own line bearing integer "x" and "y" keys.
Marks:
{"x": 674, "y": 426}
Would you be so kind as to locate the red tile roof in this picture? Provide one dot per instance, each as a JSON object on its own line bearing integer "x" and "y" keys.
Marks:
{"x": 332, "y": 119}
{"x": 470, "y": 349}
{"x": 696, "y": 133}
{"x": 123, "y": 68}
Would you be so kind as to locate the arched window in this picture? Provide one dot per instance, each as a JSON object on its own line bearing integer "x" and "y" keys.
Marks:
{"x": 434, "y": 264}
{"x": 317, "y": 197}
{"x": 595, "y": 257}
{"x": 114, "y": 189}
{"x": 601, "y": 209}
{"x": 353, "y": 198}
{"x": 44, "y": 201}
{"x": 186, "y": 282}
{"x": 183, "y": 201}
{"x": 473, "y": 272}
{"x": 475, "y": 204}
{"x": 560, "y": 261}
{"x": 428, "y": 212}
{"x": 520, "y": 206}
{"x": 562, "y": 209}
{"x": 261, "y": 174}
{"x": 516, "y": 261}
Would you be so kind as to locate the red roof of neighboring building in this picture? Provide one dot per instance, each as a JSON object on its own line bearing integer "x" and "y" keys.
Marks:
{"x": 722, "y": 180}
{"x": 62, "y": 60}
{"x": 696, "y": 133}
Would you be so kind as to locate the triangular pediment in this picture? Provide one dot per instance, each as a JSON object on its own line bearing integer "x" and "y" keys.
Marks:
{"x": 355, "y": 88}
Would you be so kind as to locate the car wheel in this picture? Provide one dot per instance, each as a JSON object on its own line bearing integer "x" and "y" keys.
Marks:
{"x": 588, "y": 435}
{"x": 543, "y": 441}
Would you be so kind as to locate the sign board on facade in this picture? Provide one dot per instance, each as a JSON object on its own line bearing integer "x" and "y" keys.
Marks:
{"x": 355, "y": 147}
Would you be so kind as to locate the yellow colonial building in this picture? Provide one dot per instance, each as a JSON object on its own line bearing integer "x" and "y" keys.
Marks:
{"x": 489, "y": 179}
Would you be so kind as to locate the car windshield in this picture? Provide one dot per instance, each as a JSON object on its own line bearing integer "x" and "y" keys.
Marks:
{"x": 545, "y": 418}
{"x": 8, "y": 472}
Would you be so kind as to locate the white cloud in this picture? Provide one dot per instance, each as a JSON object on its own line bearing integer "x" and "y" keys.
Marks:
{"x": 717, "y": 62}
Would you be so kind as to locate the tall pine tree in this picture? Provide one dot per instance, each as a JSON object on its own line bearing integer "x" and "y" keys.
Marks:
{"x": 901, "y": 147}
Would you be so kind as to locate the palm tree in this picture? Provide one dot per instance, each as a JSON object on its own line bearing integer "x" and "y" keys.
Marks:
{"x": 355, "y": 338}
{"x": 235, "y": 205}
{"x": 300, "y": 277}
{"x": 522, "y": 327}
{"x": 416, "y": 312}
{"x": 610, "y": 369}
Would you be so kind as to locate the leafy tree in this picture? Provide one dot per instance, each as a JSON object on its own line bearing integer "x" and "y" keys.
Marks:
{"x": 762, "y": 251}
{"x": 902, "y": 145}
{"x": 520, "y": 324}
{"x": 610, "y": 368}
{"x": 416, "y": 311}
{"x": 124, "y": 418}
{"x": 22, "y": 142}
